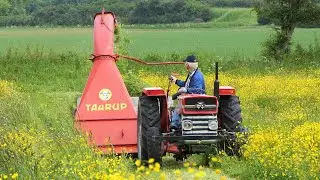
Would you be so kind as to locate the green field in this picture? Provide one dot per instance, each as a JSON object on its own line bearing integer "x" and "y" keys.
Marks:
{"x": 215, "y": 41}
{"x": 232, "y": 31}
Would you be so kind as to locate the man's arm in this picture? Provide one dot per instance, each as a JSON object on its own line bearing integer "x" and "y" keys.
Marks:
{"x": 180, "y": 83}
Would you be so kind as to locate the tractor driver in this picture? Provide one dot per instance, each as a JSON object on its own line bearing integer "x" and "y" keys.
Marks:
{"x": 194, "y": 84}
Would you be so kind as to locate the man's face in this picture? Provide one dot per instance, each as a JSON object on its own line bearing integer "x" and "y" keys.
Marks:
{"x": 186, "y": 65}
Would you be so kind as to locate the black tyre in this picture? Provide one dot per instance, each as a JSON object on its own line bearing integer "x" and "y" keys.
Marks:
{"x": 154, "y": 145}
{"x": 231, "y": 113}
{"x": 231, "y": 121}
{"x": 148, "y": 126}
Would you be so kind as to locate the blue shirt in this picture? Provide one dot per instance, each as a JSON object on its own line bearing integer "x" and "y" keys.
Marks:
{"x": 196, "y": 84}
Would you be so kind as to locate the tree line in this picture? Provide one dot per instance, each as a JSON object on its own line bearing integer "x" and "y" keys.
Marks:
{"x": 80, "y": 12}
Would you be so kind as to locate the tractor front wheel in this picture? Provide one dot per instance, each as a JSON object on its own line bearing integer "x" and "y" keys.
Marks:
{"x": 148, "y": 127}
{"x": 231, "y": 121}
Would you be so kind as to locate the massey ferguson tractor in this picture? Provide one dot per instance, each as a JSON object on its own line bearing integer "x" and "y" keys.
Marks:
{"x": 205, "y": 121}
{"x": 119, "y": 123}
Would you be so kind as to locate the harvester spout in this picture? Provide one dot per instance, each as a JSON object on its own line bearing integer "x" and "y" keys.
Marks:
{"x": 104, "y": 33}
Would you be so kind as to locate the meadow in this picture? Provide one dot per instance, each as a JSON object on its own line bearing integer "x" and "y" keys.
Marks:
{"x": 43, "y": 70}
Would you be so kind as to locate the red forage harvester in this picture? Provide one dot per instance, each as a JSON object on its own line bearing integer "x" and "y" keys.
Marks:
{"x": 105, "y": 109}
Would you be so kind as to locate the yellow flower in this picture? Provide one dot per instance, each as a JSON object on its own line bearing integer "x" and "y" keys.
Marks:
{"x": 190, "y": 170}
{"x": 131, "y": 177}
{"x": 151, "y": 160}
{"x": 223, "y": 178}
{"x": 138, "y": 162}
{"x": 214, "y": 159}
{"x": 157, "y": 165}
{"x": 218, "y": 171}
{"x": 141, "y": 168}
{"x": 14, "y": 176}
{"x": 200, "y": 174}
{"x": 177, "y": 172}
{"x": 162, "y": 176}
{"x": 186, "y": 164}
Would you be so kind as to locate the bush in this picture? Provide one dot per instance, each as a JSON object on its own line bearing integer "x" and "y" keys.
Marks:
{"x": 15, "y": 20}
{"x": 229, "y": 3}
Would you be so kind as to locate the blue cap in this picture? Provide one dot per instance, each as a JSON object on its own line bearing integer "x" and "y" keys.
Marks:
{"x": 191, "y": 59}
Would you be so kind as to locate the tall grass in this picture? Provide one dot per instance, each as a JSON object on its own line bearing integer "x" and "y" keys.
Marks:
{"x": 36, "y": 70}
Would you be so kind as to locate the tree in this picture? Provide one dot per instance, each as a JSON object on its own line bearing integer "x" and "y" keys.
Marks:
{"x": 4, "y": 6}
{"x": 286, "y": 14}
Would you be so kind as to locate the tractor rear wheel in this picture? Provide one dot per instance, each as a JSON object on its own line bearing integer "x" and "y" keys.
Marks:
{"x": 231, "y": 121}
{"x": 148, "y": 127}
{"x": 154, "y": 145}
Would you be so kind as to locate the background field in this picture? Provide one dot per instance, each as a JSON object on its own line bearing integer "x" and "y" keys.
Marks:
{"x": 232, "y": 31}
{"x": 214, "y": 41}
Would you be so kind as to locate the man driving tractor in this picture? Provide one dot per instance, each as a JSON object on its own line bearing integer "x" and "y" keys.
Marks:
{"x": 194, "y": 84}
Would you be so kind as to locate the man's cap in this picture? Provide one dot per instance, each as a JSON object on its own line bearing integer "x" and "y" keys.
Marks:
{"x": 191, "y": 59}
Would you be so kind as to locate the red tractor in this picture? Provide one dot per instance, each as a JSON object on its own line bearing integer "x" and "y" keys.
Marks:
{"x": 205, "y": 121}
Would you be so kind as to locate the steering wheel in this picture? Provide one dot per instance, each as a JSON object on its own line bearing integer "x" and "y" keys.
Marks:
{"x": 175, "y": 95}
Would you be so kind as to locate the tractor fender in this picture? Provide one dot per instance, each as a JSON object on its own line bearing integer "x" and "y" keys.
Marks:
{"x": 154, "y": 91}
{"x": 227, "y": 91}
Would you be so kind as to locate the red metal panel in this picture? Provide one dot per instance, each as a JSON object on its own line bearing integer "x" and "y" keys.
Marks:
{"x": 172, "y": 148}
{"x": 226, "y": 90}
{"x": 105, "y": 96}
{"x": 154, "y": 91}
{"x": 116, "y": 132}
{"x": 186, "y": 111}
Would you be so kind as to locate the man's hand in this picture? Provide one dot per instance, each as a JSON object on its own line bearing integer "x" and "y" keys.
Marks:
{"x": 172, "y": 79}
{"x": 182, "y": 90}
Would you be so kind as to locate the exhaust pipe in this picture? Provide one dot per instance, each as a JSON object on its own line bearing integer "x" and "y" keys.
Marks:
{"x": 216, "y": 83}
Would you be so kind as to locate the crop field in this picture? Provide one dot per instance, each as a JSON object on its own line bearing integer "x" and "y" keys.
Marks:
{"x": 214, "y": 41}
{"x": 43, "y": 70}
